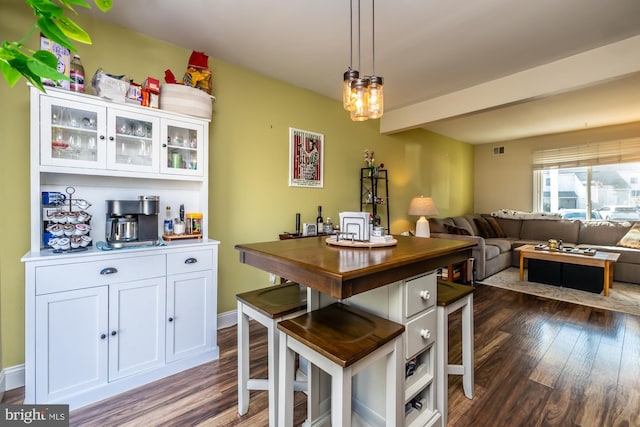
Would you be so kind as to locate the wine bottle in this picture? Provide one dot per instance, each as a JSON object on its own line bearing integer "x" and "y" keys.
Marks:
{"x": 319, "y": 220}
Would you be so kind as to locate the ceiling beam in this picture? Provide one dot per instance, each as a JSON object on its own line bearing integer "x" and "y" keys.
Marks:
{"x": 582, "y": 70}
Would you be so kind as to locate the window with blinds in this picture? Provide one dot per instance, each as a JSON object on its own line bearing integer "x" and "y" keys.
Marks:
{"x": 602, "y": 153}
{"x": 592, "y": 181}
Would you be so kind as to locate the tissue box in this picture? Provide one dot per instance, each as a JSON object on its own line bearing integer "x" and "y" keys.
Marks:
{"x": 357, "y": 223}
{"x": 109, "y": 87}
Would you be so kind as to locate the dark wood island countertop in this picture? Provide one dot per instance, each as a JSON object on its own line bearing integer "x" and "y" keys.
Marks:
{"x": 343, "y": 272}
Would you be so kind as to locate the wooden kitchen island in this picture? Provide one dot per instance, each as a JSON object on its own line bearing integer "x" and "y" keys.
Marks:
{"x": 341, "y": 273}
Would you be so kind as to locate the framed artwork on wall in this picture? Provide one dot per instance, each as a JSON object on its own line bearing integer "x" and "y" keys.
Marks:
{"x": 306, "y": 158}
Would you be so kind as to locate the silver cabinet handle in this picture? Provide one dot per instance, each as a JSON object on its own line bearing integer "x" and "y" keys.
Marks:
{"x": 190, "y": 261}
{"x": 108, "y": 270}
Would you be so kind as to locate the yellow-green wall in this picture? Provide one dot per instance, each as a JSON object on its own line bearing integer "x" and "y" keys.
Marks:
{"x": 249, "y": 199}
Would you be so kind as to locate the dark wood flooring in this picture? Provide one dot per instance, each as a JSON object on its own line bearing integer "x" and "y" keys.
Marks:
{"x": 538, "y": 362}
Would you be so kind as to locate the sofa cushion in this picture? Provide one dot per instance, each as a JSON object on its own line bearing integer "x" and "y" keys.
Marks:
{"x": 484, "y": 228}
{"x": 504, "y": 245}
{"x": 545, "y": 229}
{"x": 511, "y": 227}
{"x": 632, "y": 238}
{"x": 491, "y": 251}
{"x": 452, "y": 229}
{"x": 495, "y": 225}
{"x": 437, "y": 225}
{"x": 603, "y": 233}
{"x": 463, "y": 222}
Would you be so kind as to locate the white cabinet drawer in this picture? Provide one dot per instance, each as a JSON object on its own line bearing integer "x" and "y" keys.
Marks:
{"x": 184, "y": 262}
{"x": 419, "y": 294}
{"x": 420, "y": 333}
{"x": 64, "y": 277}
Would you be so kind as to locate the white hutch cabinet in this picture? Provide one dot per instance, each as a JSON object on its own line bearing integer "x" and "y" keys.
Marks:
{"x": 102, "y": 322}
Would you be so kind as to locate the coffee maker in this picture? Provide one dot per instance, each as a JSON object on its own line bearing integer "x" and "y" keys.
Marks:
{"x": 132, "y": 222}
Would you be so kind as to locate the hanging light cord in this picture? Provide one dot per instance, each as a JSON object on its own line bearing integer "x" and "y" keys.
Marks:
{"x": 359, "y": 35}
{"x": 351, "y": 35}
{"x": 373, "y": 35}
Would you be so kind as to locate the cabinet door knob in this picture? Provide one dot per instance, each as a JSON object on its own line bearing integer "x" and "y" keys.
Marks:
{"x": 111, "y": 138}
{"x": 425, "y": 295}
{"x": 170, "y": 319}
{"x": 190, "y": 261}
{"x": 164, "y": 145}
{"x": 113, "y": 333}
{"x": 101, "y": 137}
{"x": 103, "y": 336}
{"x": 425, "y": 334}
{"x": 108, "y": 270}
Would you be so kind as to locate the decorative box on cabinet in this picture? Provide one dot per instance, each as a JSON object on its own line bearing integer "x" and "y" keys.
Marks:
{"x": 411, "y": 302}
{"x": 99, "y": 324}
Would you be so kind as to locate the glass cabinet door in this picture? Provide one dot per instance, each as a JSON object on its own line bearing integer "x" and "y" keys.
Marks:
{"x": 133, "y": 142}
{"x": 182, "y": 148}
{"x": 72, "y": 134}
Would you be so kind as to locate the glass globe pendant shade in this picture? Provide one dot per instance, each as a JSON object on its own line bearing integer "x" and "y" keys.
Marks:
{"x": 376, "y": 98}
{"x": 360, "y": 100}
{"x": 349, "y": 76}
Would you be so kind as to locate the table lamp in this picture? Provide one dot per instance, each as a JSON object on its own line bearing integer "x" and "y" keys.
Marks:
{"x": 422, "y": 206}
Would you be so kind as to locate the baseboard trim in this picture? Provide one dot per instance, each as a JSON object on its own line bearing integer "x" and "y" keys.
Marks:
{"x": 226, "y": 319}
{"x": 13, "y": 377}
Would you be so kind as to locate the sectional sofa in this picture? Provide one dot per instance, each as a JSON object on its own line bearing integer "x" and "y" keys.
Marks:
{"x": 496, "y": 237}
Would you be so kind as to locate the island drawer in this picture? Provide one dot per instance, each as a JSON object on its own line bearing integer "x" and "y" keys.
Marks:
{"x": 420, "y": 294}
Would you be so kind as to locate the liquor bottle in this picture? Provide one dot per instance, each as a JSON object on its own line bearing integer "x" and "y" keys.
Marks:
{"x": 328, "y": 226}
{"x": 76, "y": 72}
{"x": 319, "y": 220}
{"x": 168, "y": 222}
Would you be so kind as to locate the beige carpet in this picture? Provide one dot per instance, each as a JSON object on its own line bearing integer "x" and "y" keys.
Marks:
{"x": 624, "y": 297}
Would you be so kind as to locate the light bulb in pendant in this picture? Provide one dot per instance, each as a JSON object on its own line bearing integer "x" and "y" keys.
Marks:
{"x": 349, "y": 76}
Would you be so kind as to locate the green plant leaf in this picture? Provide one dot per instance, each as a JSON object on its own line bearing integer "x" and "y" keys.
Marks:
{"x": 73, "y": 30}
{"x": 11, "y": 75}
{"x": 46, "y": 8}
{"x": 43, "y": 70}
{"x": 19, "y": 63}
{"x": 68, "y": 4}
{"x": 103, "y": 5}
{"x": 53, "y": 33}
{"x": 46, "y": 57}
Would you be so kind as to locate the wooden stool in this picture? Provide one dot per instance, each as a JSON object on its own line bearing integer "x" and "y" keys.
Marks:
{"x": 342, "y": 340}
{"x": 452, "y": 297}
{"x": 267, "y": 306}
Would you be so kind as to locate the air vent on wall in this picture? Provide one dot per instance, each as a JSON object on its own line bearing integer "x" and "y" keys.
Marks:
{"x": 498, "y": 151}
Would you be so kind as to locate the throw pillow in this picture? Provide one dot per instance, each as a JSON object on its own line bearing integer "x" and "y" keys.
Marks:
{"x": 497, "y": 228}
{"x": 484, "y": 229}
{"x": 632, "y": 238}
{"x": 452, "y": 229}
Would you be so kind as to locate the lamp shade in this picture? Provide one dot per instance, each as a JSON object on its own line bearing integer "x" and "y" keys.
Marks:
{"x": 422, "y": 206}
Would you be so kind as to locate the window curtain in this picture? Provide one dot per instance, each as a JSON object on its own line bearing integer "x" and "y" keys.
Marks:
{"x": 602, "y": 153}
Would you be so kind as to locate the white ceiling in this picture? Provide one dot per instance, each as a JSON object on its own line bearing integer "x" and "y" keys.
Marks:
{"x": 553, "y": 65}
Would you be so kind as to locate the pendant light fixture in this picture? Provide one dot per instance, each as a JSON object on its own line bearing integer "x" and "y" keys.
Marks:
{"x": 363, "y": 97}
